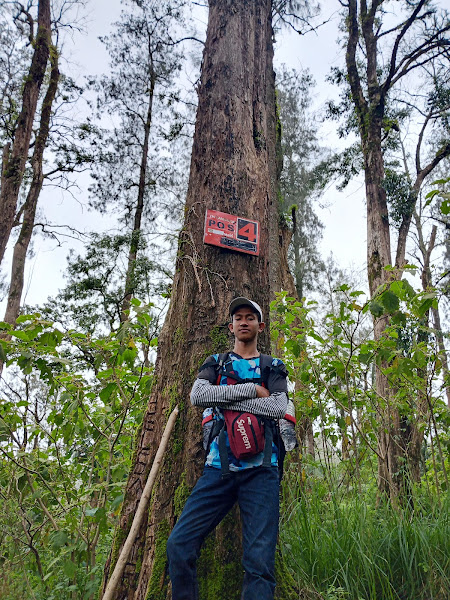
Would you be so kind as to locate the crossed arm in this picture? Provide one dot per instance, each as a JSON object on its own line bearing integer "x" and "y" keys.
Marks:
{"x": 242, "y": 396}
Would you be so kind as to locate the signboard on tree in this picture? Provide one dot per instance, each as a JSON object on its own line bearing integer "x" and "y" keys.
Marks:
{"x": 231, "y": 232}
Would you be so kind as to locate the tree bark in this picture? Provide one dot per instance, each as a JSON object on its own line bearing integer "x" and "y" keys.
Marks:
{"x": 29, "y": 208}
{"x": 234, "y": 170}
{"x": 14, "y": 163}
{"x": 414, "y": 432}
{"x": 296, "y": 248}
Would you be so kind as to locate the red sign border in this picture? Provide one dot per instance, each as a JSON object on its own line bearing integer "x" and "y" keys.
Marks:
{"x": 209, "y": 238}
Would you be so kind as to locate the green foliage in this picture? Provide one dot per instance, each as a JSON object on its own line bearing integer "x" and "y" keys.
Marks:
{"x": 69, "y": 408}
{"x": 93, "y": 296}
{"x": 333, "y": 367}
{"x": 400, "y": 195}
{"x": 339, "y": 539}
{"x": 339, "y": 545}
{"x": 440, "y": 193}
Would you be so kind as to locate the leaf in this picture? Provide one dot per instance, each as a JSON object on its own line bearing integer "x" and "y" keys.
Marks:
{"x": 21, "y": 482}
{"x": 355, "y": 306}
{"x": 24, "y": 318}
{"x": 425, "y": 306}
{"x": 69, "y": 569}
{"x": 5, "y": 433}
{"x": 364, "y": 358}
{"x": 50, "y": 339}
{"x": 317, "y": 337}
{"x": 21, "y": 335}
{"x": 430, "y": 197}
{"x": 376, "y": 308}
{"x": 107, "y": 391}
{"x": 390, "y": 301}
{"x": 339, "y": 368}
{"x": 445, "y": 207}
{"x": 117, "y": 502}
{"x": 397, "y": 288}
{"x": 59, "y": 539}
{"x": 409, "y": 290}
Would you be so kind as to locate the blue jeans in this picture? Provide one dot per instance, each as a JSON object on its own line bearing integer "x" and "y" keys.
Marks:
{"x": 257, "y": 493}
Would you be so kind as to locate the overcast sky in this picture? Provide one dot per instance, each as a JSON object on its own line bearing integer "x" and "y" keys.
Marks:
{"x": 343, "y": 214}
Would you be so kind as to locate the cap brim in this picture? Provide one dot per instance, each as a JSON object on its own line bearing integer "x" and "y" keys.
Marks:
{"x": 241, "y": 301}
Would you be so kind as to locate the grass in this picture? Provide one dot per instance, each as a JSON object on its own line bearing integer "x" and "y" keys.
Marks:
{"x": 338, "y": 545}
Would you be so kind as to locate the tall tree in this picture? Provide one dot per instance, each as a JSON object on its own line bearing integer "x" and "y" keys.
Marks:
{"x": 47, "y": 156}
{"x": 380, "y": 56}
{"x": 28, "y": 210}
{"x": 142, "y": 95}
{"x": 299, "y": 184}
{"x": 234, "y": 170}
{"x": 15, "y": 155}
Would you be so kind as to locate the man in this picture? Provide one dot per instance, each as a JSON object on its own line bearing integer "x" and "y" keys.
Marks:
{"x": 254, "y": 485}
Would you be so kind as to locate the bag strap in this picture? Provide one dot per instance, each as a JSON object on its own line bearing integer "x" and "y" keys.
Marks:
{"x": 221, "y": 361}
{"x": 268, "y": 435}
{"x": 223, "y": 453}
{"x": 265, "y": 366}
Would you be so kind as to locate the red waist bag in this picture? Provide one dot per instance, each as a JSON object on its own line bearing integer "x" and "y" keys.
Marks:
{"x": 245, "y": 433}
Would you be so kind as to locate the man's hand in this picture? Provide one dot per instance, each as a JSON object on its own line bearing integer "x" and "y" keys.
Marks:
{"x": 261, "y": 392}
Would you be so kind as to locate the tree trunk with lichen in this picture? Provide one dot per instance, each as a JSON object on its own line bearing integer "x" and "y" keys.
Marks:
{"x": 234, "y": 170}
{"x": 14, "y": 159}
{"x": 29, "y": 208}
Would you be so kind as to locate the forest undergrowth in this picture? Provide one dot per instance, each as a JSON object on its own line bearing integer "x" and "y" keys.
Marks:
{"x": 340, "y": 542}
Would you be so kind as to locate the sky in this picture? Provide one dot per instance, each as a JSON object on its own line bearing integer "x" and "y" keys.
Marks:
{"x": 342, "y": 213}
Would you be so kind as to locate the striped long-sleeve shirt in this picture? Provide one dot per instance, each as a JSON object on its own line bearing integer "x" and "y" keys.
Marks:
{"x": 241, "y": 396}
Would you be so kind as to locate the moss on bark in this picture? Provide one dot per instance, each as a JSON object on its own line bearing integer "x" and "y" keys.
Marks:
{"x": 157, "y": 586}
{"x": 219, "y": 570}
{"x": 181, "y": 495}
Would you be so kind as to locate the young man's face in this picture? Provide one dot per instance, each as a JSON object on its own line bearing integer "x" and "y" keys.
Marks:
{"x": 245, "y": 325}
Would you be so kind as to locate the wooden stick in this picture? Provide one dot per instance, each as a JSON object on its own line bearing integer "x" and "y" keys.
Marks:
{"x": 142, "y": 507}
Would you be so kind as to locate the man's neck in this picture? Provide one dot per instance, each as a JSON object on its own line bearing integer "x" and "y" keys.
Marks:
{"x": 246, "y": 350}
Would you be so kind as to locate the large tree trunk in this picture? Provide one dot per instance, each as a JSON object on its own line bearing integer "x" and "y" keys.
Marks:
{"x": 233, "y": 169}
{"x": 370, "y": 111}
{"x": 29, "y": 208}
{"x": 13, "y": 166}
{"x": 379, "y": 256}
